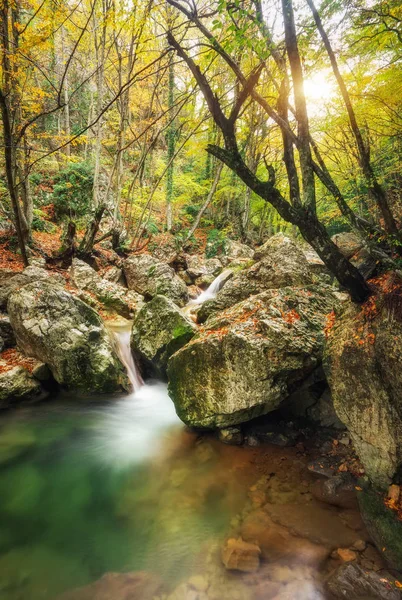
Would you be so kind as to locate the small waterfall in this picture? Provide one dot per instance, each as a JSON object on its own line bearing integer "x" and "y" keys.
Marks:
{"x": 123, "y": 342}
{"x": 213, "y": 289}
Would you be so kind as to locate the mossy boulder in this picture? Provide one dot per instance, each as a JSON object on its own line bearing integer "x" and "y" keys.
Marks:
{"x": 363, "y": 364}
{"x": 159, "y": 330}
{"x": 9, "y": 281}
{"x": 382, "y": 523}
{"x": 280, "y": 263}
{"x": 150, "y": 277}
{"x": 110, "y": 294}
{"x": 17, "y": 385}
{"x": 248, "y": 359}
{"x": 60, "y": 330}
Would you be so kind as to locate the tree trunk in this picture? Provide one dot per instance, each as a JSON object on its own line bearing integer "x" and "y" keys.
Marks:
{"x": 88, "y": 241}
{"x": 375, "y": 189}
{"x": 171, "y": 135}
{"x": 205, "y": 205}
{"x": 10, "y": 170}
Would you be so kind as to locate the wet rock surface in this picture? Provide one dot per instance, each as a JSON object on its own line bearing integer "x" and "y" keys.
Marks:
{"x": 150, "y": 277}
{"x": 363, "y": 364}
{"x": 159, "y": 330}
{"x": 58, "y": 329}
{"x": 354, "y": 582}
{"x": 244, "y": 362}
{"x": 280, "y": 263}
{"x": 109, "y": 293}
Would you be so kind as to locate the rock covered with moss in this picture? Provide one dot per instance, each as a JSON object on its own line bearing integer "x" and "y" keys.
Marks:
{"x": 246, "y": 360}
{"x": 150, "y": 277}
{"x": 60, "y": 330}
{"x": 18, "y": 385}
{"x": 363, "y": 363}
{"x": 110, "y": 294}
{"x": 280, "y": 263}
{"x": 159, "y": 330}
{"x": 9, "y": 281}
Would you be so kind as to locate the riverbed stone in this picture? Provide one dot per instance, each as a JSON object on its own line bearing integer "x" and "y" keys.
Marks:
{"x": 353, "y": 582}
{"x": 244, "y": 362}
{"x": 363, "y": 363}
{"x": 382, "y": 523}
{"x": 281, "y": 263}
{"x": 198, "y": 266}
{"x": 150, "y": 277}
{"x": 58, "y": 329}
{"x": 17, "y": 385}
{"x": 138, "y": 585}
{"x": 110, "y": 294}
{"x": 239, "y": 555}
{"x": 159, "y": 330}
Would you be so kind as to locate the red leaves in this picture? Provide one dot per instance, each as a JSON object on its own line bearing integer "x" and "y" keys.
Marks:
{"x": 329, "y": 323}
{"x": 291, "y": 316}
{"x": 13, "y": 358}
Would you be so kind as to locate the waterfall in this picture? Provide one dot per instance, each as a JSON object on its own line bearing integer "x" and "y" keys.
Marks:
{"x": 126, "y": 356}
{"x": 213, "y": 289}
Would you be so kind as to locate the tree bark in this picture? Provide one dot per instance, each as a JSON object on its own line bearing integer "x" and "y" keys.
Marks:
{"x": 206, "y": 204}
{"x": 88, "y": 241}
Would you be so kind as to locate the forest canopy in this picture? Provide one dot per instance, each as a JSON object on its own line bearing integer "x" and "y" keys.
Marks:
{"x": 239, "y": 118}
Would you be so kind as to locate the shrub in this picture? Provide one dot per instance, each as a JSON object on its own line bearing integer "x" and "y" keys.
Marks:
{"x": 72, "y": 191}
{"x": 216, "y": 243}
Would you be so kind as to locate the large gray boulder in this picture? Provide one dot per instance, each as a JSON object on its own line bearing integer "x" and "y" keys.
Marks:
{"x": 202, "y": 271}
{"x": 150, "y": 277}
{"x": 60, "y": 330}
{"x": 363, "y": 363}
{"x": 244, "y": 362}
{"x": 9, "y": 282}
{"x": 110, "y": 294}
{"x": 348, "y": 243}
{"x": 280, "y": 263}
{"x": 159, "y": 330}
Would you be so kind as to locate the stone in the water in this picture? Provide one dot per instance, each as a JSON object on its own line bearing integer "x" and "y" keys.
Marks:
{"x": 53, "y": 326}
{"x": 245, "y": 361}
{"x": 363, "y": 365}
{"x": 231, "y": 435}
{"x": 159, "y": 330}
{"x": 352, "y": 582}
{"x": 382, "y": 523}
{"x": 346, "y": 555}
{"x": 338, "y": 490}
{"x": 239, "y": 555}
{"x": 118, "y": 586}
{"x": 17, "y": 385}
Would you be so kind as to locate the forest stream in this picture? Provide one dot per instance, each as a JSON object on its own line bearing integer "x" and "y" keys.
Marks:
{"x": 121, "y": 485}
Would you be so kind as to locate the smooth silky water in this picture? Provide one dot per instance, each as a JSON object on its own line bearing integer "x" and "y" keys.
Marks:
{"x": 118, "y": 484}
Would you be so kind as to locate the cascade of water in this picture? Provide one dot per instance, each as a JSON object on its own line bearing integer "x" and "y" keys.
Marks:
{"x": 123, "y": 342}
{"x": 212, "y": 290}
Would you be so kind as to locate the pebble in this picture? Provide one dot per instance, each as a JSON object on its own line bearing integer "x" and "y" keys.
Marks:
{"x": 346, "y": 555}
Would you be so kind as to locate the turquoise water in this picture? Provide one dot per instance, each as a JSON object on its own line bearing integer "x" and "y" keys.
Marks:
{"x": 118, "y": 485}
